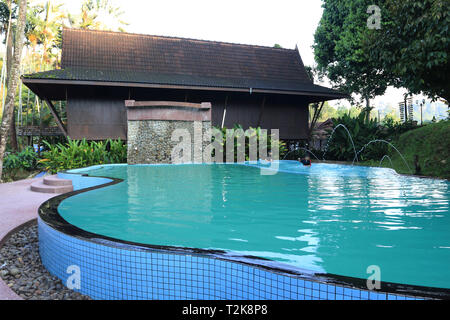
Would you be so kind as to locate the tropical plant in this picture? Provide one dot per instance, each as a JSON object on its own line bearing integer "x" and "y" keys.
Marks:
{"x": 44, "y": 22}
{"x": 256, "y": 134}
{"x": 81, "y": 153}
{"x": 98, "y": 15}
{"x": 27, "y": 160}
{"x": 15, "y": 163}
{"x": 13, "y": 80}
{"x": 340, "y": 146}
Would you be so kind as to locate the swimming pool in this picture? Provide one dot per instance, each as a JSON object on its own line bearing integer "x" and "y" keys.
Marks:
{"x": 328, "y": 223}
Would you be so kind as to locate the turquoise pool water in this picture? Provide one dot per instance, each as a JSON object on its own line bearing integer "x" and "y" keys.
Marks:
{"x": 327, "y": 218}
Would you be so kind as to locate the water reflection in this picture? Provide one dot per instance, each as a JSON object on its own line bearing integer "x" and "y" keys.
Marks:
{"x": 327, "y": 218}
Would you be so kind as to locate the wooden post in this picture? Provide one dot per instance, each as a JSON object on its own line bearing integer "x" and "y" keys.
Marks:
{"x": 316, "y": 115}
{"x": 261, "y": 113}
{"x": 27, "y": 107}
{"x": 40, "y": 127}
{"x": 56, "y": 117}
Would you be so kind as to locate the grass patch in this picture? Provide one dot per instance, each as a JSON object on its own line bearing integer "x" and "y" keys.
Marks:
{"x": 431, "y": 143}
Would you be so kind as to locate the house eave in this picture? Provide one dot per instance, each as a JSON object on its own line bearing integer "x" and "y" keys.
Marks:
{"x": 36, "y": 81}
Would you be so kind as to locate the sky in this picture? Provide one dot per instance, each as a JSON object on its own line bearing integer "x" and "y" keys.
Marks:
{"x": 289, "y": 23}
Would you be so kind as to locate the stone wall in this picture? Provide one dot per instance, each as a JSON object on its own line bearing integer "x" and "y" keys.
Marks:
{"x": 150, "y": 141}
{"x": 154, "y": 129}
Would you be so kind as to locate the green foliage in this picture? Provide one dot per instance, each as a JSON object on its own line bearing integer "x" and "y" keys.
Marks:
{"x": 27, "y": 160}
{"x": 412, "y": 45}
{"x": 78, "y": 154}
{"x": 340, "y": 51}
{"x": 410, "y": 50}
{"x": 431, "y": 143}
{"x": 340, "y": 147}
{"x": 262, "y": 138}
{"x": 20, "y": 164}
{"x": 95, "y": 15}
{"x": 328, "y": 112}
{"x": 394, "y": 129}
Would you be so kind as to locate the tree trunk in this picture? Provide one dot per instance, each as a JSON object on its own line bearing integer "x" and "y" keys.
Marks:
{"x": 9, "y": 58}
{"x": 368, "y": 109}
{"x": 9, "y": 44}
{"x": 13, "y": 80}
{"x": 9, "y": 54}
{"x": 12, "y": 134}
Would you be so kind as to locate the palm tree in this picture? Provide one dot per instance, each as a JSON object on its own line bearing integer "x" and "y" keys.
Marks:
{"x": 44, "y": 23}
{"x": 13, "y": 79}
{"x": 98, "y": 15}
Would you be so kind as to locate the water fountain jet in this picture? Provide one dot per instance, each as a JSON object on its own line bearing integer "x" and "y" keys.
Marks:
{"x": 331, "y": 136}
{"x": 384, "y": 141}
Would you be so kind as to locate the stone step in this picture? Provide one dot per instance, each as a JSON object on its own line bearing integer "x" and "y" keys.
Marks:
{"x": 39, "y": 186}
{"x": 55, "y": 181}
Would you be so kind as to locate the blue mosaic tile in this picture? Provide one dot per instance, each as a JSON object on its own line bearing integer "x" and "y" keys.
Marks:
{"x": 115, "y": 273}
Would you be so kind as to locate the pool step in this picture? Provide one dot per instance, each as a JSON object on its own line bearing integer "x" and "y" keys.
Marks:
{"x": 55, "y": 181}
{"x": 52, "y": 184}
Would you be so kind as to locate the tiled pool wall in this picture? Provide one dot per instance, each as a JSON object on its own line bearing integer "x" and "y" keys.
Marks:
{"x": 114, "y": 270}
{"x": 110, "y": 272}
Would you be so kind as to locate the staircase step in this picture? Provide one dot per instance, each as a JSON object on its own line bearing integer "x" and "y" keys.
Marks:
{"x": 55, "y": 181}
{"x": 44, "y": 188}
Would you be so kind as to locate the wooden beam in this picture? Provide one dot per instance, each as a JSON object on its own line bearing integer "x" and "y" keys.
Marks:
{"x": 133, "y": 103}
{"x": 56, "y": 117}
{"x": 261, "y": 112}
{"x": 332, "y": 96}
{"x": 315, "y": 118}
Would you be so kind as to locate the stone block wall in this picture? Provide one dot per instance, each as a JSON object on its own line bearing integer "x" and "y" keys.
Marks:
{"x": 151, "y": 126}
{"x": 150, "y": 141}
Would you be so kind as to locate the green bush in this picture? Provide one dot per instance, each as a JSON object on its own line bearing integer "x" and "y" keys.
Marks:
{"x": 261, "y": 137}
{"x": 362, "y": 131}
{"x": 20, "y": 164}
{"x": 26, "y": 160}
{"x": 81, "y": 153}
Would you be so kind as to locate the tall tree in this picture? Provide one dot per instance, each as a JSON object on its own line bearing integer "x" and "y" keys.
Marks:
{"x": 8, "y": 14}
{"x": 340, "y": 53}
{"x": 98, "y": 15}
{"x": 413, "y": 45}
{"x": 13, "y": 80}
{"x": 43, "y": 26}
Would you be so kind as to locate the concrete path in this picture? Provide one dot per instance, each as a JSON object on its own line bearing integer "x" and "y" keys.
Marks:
{"x": 18, "y": 205}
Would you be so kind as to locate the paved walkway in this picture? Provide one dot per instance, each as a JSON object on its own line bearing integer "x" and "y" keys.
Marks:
{"x": 18, "y": 205}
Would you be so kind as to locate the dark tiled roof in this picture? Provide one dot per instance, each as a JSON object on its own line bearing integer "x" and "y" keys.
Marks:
{"x": 79, "y": 74}
{"x": 123, "y": 57}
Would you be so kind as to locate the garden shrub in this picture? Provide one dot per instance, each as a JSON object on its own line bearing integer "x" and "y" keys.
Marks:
{"x": 81, "y": 153}
{"x": 23, "y": 162}
{"x": 362, "y": 131}
{"x": 262, "y": 137}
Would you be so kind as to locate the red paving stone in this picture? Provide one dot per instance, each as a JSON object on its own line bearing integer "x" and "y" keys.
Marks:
{"x": 18, "y": 205}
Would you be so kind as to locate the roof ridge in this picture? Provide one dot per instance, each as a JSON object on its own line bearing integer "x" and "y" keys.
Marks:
{"x": 179, "y": 38}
